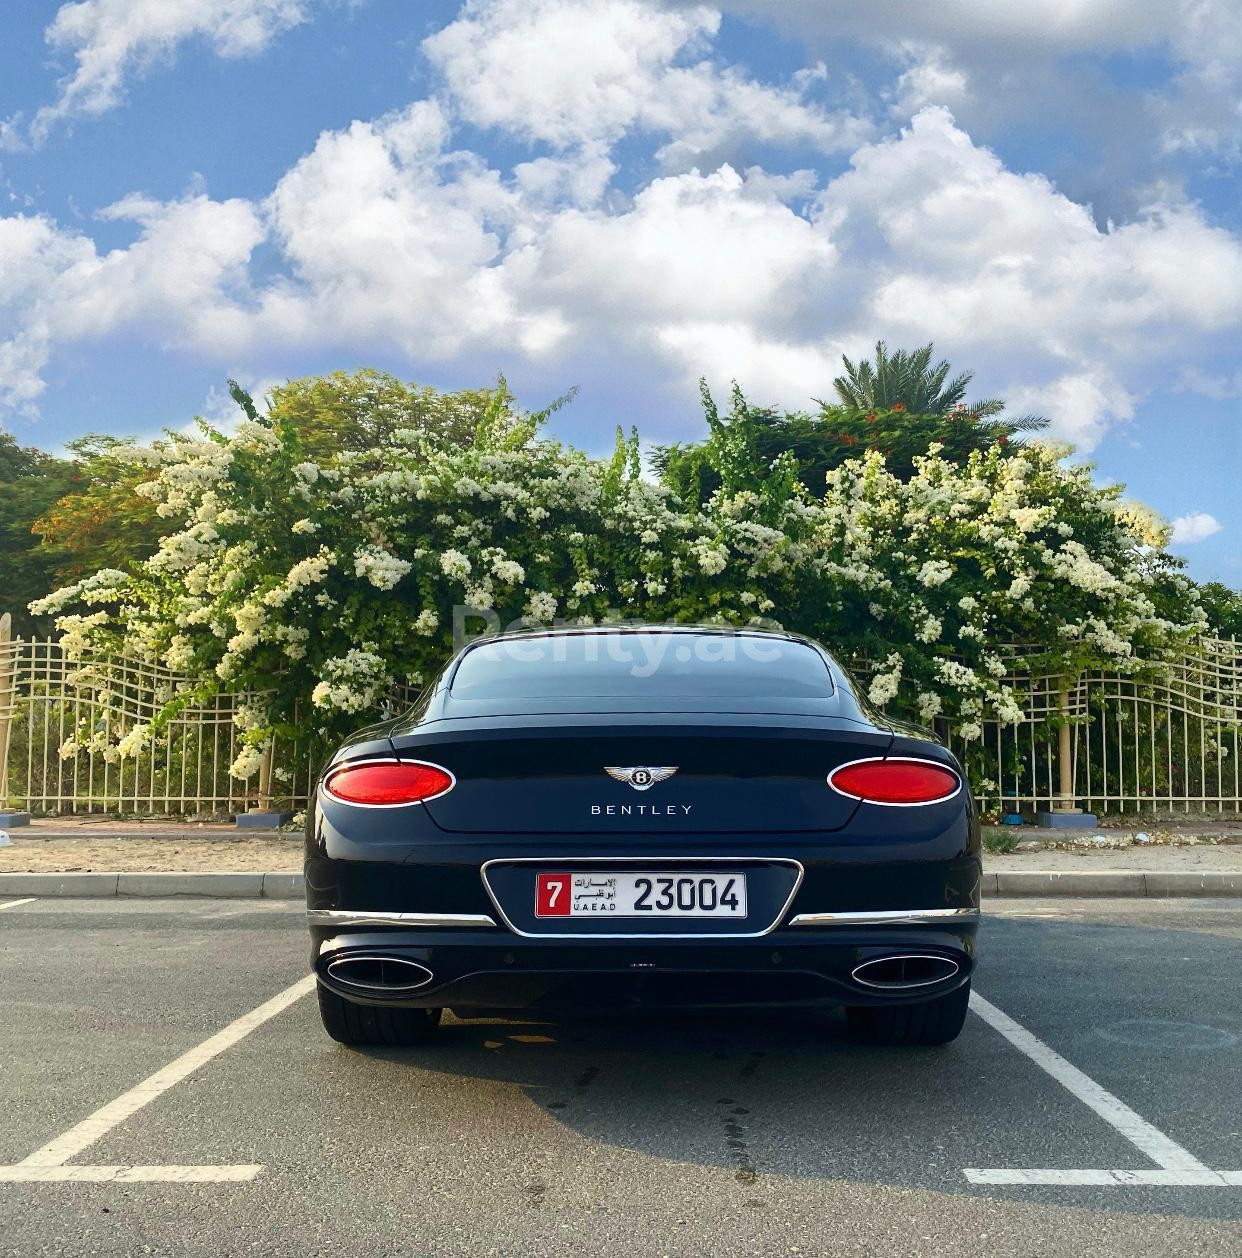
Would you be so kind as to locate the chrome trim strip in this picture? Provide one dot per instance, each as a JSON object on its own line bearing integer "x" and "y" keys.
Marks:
{"x": 895, "y": 917}
{"x": 382, "y": 917}
{"x": 555, "y": 861}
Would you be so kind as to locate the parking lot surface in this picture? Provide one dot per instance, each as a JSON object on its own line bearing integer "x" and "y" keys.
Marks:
{"x": 166, "y": 1088}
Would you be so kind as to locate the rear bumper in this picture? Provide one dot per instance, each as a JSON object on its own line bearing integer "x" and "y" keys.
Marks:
{"x": 484, "y": 950}
{"x": 495, "y": 969}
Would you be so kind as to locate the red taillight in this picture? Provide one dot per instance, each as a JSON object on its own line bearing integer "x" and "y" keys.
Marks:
{"x": 895, "y": 781}
{"x": 386, "y": 782}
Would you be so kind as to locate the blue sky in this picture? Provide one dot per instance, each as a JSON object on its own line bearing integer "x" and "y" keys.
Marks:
{"x": 624, "y": 195}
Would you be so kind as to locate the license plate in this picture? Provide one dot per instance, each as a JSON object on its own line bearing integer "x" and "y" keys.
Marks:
{"x": 640, "y": 895}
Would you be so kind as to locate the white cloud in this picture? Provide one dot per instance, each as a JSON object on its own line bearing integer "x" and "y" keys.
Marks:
{"x": 580, "y": 180}
{"x": 986, "y": 59}
{"x": 1203, "y": 109}
{"x": 33, "y": 253}
{"x": 1081, "y": 405}
{"x": 930, "y": 79}
{"x": 392, "y": 240}
{"x": 586, "y": 72}
{"x": 176, "y": 285}
{"x": 1063, "y": 25}
{"x": 693, "y": 248}
{"x": 1219, "y": 386}
{"x": 562, "y": 71}
{"x": 112, "y": 39}
{"x": 178, "y": 282}
{"x": 1194, "y": 528}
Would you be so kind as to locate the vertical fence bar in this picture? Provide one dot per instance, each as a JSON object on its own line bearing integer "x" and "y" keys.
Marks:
{"x": 1186, "y": 761}
{"x": 1152, "y": 752}
{"x": 1235, "y": 713}
{"x": 77, "y": 755}
{"x": 265, "y": 776}
{"x": 1089, "y": 796}
{"x": 8, "y": 675}
{"x": 45, "y": 724}
{"x": 1065, "y": 755}
{"x": 30, "y": 716}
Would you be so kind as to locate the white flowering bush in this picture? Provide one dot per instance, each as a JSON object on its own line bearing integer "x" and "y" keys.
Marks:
{"x": 319, "y": 584}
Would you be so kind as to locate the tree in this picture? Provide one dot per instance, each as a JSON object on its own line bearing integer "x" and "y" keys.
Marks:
{"x": 105, "y": 522}
{"x": 740, "y": 451}
{"x": 30, "y": 481}
{"x": 907, "y": 380}
{"x": 364, "y": 410}
{"x": 1223, "y": 608}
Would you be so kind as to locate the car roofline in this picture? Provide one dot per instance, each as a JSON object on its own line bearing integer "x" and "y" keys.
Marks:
{"x": 567, "y": 631}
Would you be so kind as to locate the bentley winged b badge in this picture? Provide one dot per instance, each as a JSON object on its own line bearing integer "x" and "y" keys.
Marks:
{"x": 641, "y": 777}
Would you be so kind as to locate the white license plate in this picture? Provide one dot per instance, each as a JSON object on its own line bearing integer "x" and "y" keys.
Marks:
{"x": 640, "y": 895}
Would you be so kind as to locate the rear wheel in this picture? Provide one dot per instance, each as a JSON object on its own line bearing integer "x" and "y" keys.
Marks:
{"x": 348, "y": 1023}
{"x": 929, "y": 1022}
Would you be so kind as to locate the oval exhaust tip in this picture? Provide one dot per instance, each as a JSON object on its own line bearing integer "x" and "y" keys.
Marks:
{"x": 904, "y": 971}
{"x": 372, "y": 972}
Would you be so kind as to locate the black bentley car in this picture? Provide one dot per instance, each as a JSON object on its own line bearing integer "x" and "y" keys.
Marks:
{"x": 604, "y": 818}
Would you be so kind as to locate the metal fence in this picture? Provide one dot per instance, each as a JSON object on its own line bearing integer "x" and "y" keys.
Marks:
{"x": 1151, "y": 744}
{"x": 59, "y": 719}
{"x": 1159, "y": 741}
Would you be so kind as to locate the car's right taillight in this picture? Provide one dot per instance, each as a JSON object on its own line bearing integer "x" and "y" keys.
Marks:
{"x": 902, "y": 781}
{"x": 387, "y": 783}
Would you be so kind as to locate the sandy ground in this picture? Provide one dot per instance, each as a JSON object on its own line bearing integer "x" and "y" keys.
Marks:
{"x": 1156, "y": 859}
{"x": 91, "y": 825}
{"x": 144, "y": 855}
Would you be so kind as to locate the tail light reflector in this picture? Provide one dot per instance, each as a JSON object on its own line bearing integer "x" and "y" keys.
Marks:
{"x": 384, "y": 783}
{"x": 895, "y": 781}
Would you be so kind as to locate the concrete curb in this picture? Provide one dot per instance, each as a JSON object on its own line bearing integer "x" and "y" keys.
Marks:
{"x": 1105, "y": 883}
{"x": 219, "y": 835}
{"x": 212, "y": 885}
{"x": 218, "y": 886}
{"x": 1084, "y": 884}
{"x": 59, "y": 884}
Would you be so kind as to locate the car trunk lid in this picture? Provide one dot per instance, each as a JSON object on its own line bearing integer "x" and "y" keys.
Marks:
{"x": 767, "y": 775}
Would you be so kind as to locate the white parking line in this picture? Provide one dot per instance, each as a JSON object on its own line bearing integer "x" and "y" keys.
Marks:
{"x": 48, "y": 1162}
{"x": 22, "y": 1174}
{"x": 1161, "y": 1179}
{"x": 1178, "y": 1167}
{"x": 12, "y": 904}
{"x": 1116, "y": 1113}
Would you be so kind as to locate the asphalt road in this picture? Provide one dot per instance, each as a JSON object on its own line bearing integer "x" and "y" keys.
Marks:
{"x": 756, "y": 1135}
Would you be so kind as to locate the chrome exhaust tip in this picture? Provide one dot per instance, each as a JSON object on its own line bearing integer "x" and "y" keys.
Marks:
{"x": 375, "y": 973}
{"x": 904, "y": 971}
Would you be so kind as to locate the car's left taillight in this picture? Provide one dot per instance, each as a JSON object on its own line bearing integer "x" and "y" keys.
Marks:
{"x": 387, "y": 783}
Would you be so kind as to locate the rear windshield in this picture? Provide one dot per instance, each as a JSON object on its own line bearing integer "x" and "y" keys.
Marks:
{"x": 642, "y": 666}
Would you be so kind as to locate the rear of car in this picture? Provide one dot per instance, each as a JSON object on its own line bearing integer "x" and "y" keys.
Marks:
{"x": 619, "y": 818}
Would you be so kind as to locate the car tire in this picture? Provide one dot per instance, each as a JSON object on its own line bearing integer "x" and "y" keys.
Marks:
{"x": 935, "y": 1021}
{"x": 360, "y": 1025}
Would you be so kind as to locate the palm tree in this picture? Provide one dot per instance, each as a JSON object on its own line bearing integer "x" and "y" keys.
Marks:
{"x": 908, "y": 379}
